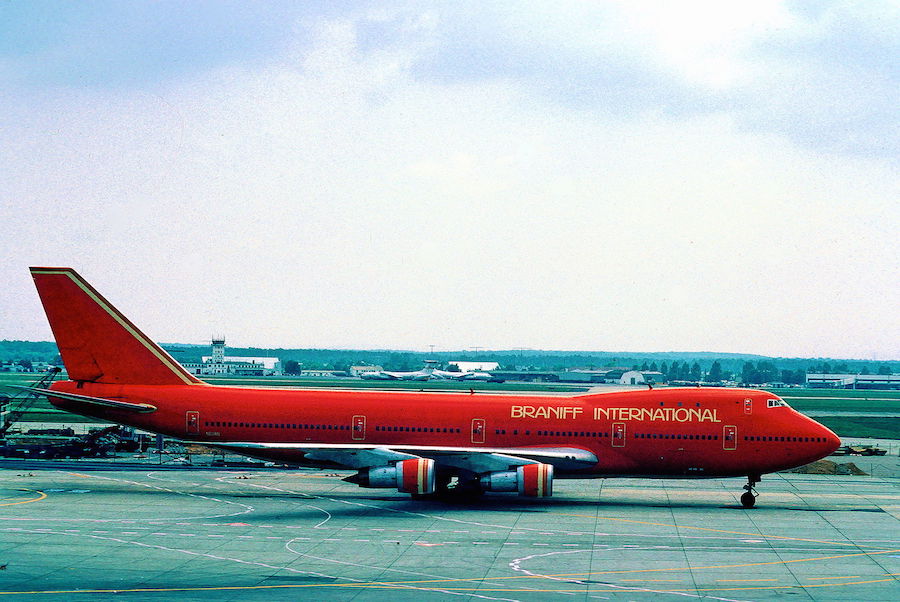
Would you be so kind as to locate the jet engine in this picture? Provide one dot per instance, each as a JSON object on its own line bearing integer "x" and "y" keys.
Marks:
{"x": 533, "y": 480}
{"x": 408, "y": 476}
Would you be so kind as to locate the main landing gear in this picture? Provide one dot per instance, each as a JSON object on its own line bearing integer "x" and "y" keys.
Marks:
{"x": 748, "y": 499}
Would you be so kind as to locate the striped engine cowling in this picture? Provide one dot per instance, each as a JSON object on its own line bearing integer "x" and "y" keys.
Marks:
{"x": 416, "y": 476}
{"x": 535, "y": 480}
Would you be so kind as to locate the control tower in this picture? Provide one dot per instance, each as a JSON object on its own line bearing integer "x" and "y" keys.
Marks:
{"x": 218, "y": 350}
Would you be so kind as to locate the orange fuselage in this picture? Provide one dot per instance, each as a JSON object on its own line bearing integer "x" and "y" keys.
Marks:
{"x": 661, "y": 432}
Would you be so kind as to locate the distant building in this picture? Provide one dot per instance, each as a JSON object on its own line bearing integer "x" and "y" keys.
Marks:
{"x": 609, "y": 376}
{"x": 582, "y": 376}
{"x": 527, "y": 376}
{"x": 320, "y": 373}
{"x": 652, "y": 376}
{"x": 632, "y": 377}
{"x": 854, "y": 381}
{"x": 475, "y": 366}
{"x": 219, "y": 364}
{"x": 616, "y": 376}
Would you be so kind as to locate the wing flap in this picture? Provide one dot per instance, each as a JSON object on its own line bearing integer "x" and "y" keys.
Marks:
{"x": 477, "y": 460}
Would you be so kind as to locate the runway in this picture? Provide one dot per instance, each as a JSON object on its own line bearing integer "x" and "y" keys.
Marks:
{"x": 70, "y": 534}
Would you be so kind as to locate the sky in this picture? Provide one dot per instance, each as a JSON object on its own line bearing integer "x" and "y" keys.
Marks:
{"x": 617, "y": 176}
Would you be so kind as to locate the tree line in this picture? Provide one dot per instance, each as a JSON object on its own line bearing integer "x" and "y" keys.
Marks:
{"x": 691, "y": 366}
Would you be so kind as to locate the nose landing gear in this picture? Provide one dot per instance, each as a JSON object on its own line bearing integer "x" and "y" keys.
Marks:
{"x": 748, "y": 498}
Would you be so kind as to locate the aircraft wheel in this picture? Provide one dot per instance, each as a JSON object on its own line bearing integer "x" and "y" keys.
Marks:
{"x": 748, "y": 500}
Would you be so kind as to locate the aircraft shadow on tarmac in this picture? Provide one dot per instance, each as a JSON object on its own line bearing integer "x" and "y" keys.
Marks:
{"x": 399, "y": 502}
{"x": 500, "y": 504}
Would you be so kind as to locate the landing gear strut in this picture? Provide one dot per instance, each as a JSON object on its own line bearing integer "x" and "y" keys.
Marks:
{"x": 748, "y": 499}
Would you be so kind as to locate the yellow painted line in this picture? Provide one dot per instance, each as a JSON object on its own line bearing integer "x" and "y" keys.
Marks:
{"x": 393, "y": 585}
{"x": 680, "y": 527}
{"x": 727, "y": 566}
{"x": 376, "y": 585}
{"x": 659, "y": 570}
{"x": 742, "y": 580}
{"x": 41, "y": 496}
{"x": 423, "y": 584}
{"x": 794, "y": 586}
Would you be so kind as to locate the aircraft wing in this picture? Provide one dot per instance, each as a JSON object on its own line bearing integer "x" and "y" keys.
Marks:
{"x": 473, "y": 459}
{"x": 409, "y": 375}
{"x": 377, "y": 376}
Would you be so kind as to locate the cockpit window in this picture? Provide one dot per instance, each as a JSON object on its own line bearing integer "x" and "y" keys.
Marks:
{"x": 777, "y": 403}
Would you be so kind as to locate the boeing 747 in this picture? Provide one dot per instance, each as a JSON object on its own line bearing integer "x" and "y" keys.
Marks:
{"x": 422, "y": 443}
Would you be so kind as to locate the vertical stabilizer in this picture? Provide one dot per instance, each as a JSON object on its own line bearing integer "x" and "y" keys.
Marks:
{"x": 97, "y": 343}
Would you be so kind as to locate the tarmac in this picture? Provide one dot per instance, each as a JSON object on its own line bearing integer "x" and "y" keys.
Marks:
{"x": 88, "y": 531}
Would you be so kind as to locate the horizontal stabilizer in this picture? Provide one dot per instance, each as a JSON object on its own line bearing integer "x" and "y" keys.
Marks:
{"x": 143, "y": 408}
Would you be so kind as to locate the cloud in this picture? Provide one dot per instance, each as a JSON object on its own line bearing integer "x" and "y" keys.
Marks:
{"x": 821, "y": 74}
{"x": 136, "y": 44}
{"x": 337, "y": 196}
{"x": 823, "y": 77}
{"x": 829, "y": 81}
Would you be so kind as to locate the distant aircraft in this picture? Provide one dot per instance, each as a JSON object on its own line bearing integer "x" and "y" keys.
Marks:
{"x": 429, "y": 372}
{"x": 473, "y": 375}
{"x": 423, "y": 443}
{"x": 423, "y": 374}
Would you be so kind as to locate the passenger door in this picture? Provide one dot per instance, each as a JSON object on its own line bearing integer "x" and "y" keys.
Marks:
{"x": 478, "y": 428}
{"x": 729, "y": 437}
{"x": 192, "y": 423}
{"x": 618, "y": 434}
{"x": 358, "y": 428}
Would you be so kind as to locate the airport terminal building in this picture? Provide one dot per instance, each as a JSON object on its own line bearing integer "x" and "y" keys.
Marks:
{"x": 219, "y": 364}
{"x": 853, "y": 381}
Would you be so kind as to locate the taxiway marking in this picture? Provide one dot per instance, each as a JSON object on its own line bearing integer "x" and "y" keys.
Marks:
{"x": 763, "y": 535}
{"x": 41, "y": 496}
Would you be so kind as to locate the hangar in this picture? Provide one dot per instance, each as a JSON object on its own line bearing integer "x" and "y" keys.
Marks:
{"x": 854, "y": 381}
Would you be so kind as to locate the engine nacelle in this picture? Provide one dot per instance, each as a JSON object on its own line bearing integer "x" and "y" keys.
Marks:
{"x": 408, "y": 476}
{"x": 533, "y": 480}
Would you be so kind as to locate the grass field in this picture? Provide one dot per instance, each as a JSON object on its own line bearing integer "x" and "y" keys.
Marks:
{"x": 841, "y": 400}
{"x": 804, "y": 400}
{"x": 862, "y": 426}
{"x": 843, "y": 393}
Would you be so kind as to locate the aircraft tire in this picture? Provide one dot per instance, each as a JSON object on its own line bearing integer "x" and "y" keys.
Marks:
{"x": 748, "y": 500}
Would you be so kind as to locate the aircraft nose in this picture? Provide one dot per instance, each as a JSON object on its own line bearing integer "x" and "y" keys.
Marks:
{"x": 834, "y": 441}
{"x": 831, "y": 441}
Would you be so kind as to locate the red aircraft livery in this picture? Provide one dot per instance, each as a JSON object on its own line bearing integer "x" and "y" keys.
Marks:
{"x": 414, "y": 442}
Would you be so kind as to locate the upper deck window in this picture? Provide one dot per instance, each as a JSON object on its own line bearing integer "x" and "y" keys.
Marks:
{"x": 777, "y": 403}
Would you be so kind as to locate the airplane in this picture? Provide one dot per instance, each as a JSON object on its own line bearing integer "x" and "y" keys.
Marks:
{"x": 473, "y": 375}
{"x": 428, "y": 444}
{"x": 419, "y": 375}
{"x": 429, "y": 372}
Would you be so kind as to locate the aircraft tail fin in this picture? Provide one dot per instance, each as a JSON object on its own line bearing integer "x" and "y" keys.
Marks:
{"x": 97, "y": 343}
